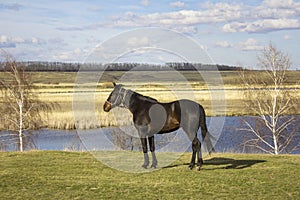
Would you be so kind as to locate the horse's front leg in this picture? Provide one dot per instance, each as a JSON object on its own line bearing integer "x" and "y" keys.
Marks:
{"x": 152, "y": 149}
{"x": 142, "y": 130}
{"x": 145, "y": 151}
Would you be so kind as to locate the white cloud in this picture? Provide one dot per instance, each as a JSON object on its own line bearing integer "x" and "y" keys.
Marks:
{"x": 3, "y": 39}
{"x": 265, "y": 25}
{"x": 77, "y": 51}
{"x": 212, "y": 13}
{"x": 5, "y": 42}
{"x": 223, "y": 44}
{"x": 186, "y": 29}
{"x": 279, "y": 3}
{"x": 18, "y": 39}
{"x": 34, "y": 40}
{"x": 73, "y": 55}
{"x": 276, "y": 9}
{"x": 233, "y": 27}
{"x": 250, "y": 45}
{"x": 136, "y": 41}
{"x": 11, "y": 42}
{"x": 270, "y": 15}
{"x": 286, "y": 37}
{"x": 182, "y": 18}
{"x": 13, "y": 6}
{"x": 178, "y": 4}
{"x": 145, "y": 2}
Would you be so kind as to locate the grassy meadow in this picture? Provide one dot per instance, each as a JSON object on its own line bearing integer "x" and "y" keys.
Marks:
{"x": 78, "y": 175}
{"x": 80, "y": 105}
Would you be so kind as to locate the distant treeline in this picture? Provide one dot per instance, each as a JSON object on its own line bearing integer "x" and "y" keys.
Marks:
{"x": 74, "y": 67}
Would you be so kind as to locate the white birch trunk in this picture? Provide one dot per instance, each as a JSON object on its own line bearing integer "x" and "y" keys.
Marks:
{"x": 21, "y": 129}
{"x": 21, "y": 122}
{"x": 276, "y": 152}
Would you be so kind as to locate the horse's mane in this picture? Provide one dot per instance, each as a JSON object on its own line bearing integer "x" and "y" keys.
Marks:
{"x": 146, "y": 98}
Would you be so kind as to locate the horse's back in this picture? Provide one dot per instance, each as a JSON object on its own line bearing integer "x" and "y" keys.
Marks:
{"x": 188, "y": 107}
{"x": 183, "y": 109}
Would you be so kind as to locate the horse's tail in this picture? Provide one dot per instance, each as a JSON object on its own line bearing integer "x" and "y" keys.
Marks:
{"x": 206, "y": 136}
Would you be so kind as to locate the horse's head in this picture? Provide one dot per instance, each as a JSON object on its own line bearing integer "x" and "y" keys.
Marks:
{"x": 114, "y": 99}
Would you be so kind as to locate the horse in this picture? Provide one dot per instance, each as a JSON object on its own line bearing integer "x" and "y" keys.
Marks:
{"x": 153, "y": 117}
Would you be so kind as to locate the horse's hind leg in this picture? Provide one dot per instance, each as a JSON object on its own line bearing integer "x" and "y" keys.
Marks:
{"x": 199, "y": 154}
{"x": 194, "y": 148}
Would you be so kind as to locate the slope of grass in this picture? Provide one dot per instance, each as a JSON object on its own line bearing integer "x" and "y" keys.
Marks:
{"x": 73, "y": 175}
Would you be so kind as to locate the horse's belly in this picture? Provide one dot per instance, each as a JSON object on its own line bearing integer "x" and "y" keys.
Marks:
{"x": 169, "y": 127}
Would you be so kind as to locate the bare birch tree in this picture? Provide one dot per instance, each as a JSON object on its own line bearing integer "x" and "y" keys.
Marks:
{"x": 272, "y": 125}
{"x": 21, "y": 108}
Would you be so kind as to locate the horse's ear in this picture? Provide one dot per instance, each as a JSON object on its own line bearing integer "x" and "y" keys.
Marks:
{"x": 114, "y": 84}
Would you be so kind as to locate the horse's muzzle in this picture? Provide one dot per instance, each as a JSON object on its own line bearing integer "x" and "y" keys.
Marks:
{"x": 107, "y": 106}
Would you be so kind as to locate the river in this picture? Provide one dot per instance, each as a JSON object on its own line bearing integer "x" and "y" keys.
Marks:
{"x": 229, "y": 139}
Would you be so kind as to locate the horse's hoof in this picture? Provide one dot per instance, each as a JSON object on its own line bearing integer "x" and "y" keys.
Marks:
{"x": 191, "y": 167}
{"x": 145, "y": 166}
{"x": 198, "y": 168}
{"x": 153, "y": 166}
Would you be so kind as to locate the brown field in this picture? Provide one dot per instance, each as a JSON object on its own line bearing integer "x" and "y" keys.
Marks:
{"x": 81, "y": 96}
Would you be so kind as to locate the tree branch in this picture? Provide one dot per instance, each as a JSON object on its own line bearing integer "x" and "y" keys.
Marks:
{"x": 256, "y": 134}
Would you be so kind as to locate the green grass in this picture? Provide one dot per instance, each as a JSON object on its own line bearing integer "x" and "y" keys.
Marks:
{"x": 75, "y": 175}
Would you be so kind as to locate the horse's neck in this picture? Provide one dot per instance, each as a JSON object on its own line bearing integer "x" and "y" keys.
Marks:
{"x": 137, "y": 100}
{"x": 146, "y": 98}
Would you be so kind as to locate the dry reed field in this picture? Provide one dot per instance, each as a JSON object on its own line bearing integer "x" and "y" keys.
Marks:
{"x": 217, "y": 99}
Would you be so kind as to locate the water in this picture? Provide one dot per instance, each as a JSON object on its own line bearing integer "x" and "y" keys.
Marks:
{"x": 230, "y": 139}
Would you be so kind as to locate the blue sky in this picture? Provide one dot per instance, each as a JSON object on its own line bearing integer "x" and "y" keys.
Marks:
{"x": 231, "y": 32}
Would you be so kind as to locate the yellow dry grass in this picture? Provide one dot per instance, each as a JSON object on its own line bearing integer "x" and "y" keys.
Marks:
{"x": 217, "y": 100}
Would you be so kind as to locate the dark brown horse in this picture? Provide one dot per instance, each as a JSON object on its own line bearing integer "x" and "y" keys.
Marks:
{"x": 152, "y": 117}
